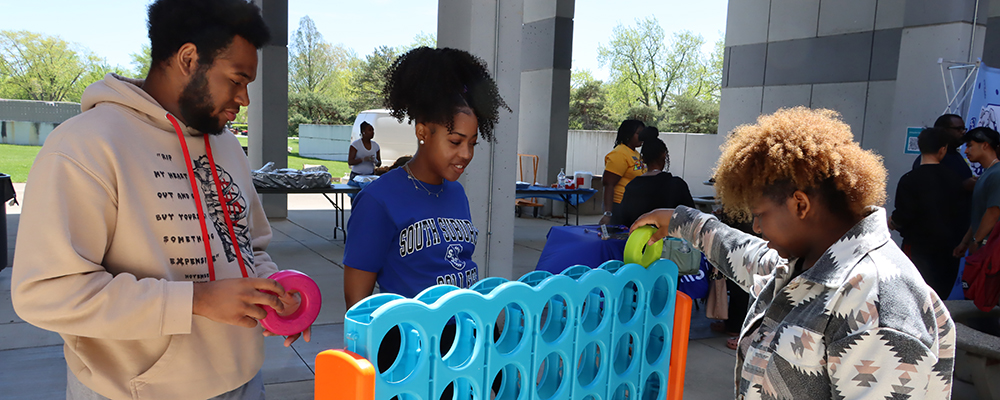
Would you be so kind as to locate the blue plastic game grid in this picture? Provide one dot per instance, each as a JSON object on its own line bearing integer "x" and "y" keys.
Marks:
{"x": 601, "y": 334}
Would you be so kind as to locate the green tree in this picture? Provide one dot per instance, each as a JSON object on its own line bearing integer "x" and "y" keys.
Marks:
{"x": 38, "y": 67}
{"x": 141, "y": 62}
{"x": 343, "y": 58}
{"x": 693, "y": 115}
{"x": 706, "y": 80}
{"x": 368, "y": 78}
{"x": 668, "y": 83}
{"x": 241, "y": 117}
{"x": 634, "y": 56}
{"x": 364, "y": 79}
{"x": 588, "y": 103}
{"x": 96, "y": 71}
{"x": 7, "y": 90}
{"x": 421, "y": 39}
{"x": 650, "y": 69}
{"x": 316, "y": 108}
{"x": 318, "y": 74}
{"x": 312, "y": 62}
{"x": 647, "y": 114}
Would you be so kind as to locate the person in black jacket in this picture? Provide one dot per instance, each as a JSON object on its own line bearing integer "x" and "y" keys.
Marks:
{"x": 932, "y": 212}
{"x": 657, "y": 188}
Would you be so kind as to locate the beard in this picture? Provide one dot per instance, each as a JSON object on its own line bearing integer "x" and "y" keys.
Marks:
{"x": 197, "y": 107}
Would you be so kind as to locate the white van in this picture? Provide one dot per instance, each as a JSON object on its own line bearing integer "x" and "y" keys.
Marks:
{"x": 395, "y": 139}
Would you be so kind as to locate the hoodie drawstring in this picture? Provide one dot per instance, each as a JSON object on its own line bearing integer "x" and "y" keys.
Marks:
{"x": 197, "y": 201}
{"x": 224, "y": 203}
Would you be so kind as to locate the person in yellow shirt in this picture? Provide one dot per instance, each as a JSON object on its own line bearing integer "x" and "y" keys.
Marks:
{"x": 620, "y": 166}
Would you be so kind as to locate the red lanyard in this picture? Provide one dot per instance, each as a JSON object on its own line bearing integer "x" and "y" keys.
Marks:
{"x": 197, "y": 201}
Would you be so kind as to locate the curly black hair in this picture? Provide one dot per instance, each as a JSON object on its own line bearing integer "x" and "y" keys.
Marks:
{"x": 647, "y": 133}
{"x": 431, "y": 85}
{"x": 208, "y": 24}
{"x": 652, "y": 148}
{"x": 627, "y": 129}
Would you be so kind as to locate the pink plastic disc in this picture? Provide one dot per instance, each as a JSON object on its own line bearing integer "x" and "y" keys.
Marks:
{"x": 305, "y": 315}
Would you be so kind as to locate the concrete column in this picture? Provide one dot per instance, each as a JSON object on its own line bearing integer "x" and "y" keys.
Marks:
{"x": 268, "y": 112}
{"x": 491, "y": 30}
{"x": 932, "y": 29}
{"x": 991, "y": 47}
{"x": 546, "y": 54}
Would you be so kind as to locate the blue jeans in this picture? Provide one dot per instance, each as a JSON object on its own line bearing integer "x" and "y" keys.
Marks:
{"x": 351, "y": 182}
{"x": 252, "y": 390}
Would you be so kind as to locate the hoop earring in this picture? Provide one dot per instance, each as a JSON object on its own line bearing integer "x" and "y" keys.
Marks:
{"x": 421, "y": 141}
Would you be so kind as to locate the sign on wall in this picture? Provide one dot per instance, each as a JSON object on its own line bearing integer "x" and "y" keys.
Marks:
{"x": 911, "y": 140}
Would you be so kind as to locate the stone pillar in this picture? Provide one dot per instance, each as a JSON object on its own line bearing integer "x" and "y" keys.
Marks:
{"x": 268, "y": 111}
{"x": 546, "y": 55}
{"x": 991, "y": 47}
{"x": 491, "y": 30}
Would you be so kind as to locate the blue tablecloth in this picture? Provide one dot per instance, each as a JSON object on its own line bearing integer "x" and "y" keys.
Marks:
{"x": 572, "y": 196}
{"x": 566, "y": 246}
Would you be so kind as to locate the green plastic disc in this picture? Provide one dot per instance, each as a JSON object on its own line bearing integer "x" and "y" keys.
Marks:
{"x": 636, "y": 251}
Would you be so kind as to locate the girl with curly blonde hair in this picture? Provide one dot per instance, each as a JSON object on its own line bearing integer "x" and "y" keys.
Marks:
{"x": 837, "y": 310}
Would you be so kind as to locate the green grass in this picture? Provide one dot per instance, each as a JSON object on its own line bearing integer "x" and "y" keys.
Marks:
{"x": 16, "y": 160}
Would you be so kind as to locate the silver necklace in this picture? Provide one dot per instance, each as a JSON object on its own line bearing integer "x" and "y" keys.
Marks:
{"x": 415, "y": 181}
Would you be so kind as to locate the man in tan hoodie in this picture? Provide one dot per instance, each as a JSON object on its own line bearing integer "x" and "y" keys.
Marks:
{"x": 142, "y": 238}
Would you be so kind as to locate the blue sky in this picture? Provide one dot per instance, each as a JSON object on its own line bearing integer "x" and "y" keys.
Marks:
{"x": 114, "y": 29}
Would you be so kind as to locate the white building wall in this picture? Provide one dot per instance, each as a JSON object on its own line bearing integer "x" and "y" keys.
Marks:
{"x": 692, "y": 155}
{"x": 326, "y": 142}
{"x": 25, "y": 133}
{"x": 29, "y": 122}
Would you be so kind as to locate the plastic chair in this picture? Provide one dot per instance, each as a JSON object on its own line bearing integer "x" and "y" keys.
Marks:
{"x": 534, "y": 178}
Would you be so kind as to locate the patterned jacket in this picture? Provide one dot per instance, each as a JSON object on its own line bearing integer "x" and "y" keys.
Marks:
{"x": 860, "y": 324}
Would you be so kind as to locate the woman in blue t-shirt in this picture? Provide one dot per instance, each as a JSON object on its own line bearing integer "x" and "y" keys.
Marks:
{"x": 411, "y": 228}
